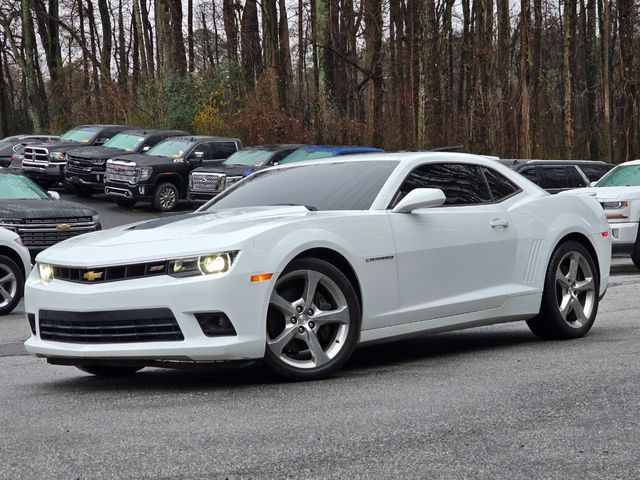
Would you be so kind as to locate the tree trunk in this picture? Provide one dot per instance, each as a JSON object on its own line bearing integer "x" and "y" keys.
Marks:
{"x": 231, "y": 29}
{"x": 605, "y": 32}
{"x": 524, "y": 140}
{"x": 250, "y": 45}
{"x": 567, "y": 121}
{"x": 373, "y": 33}
{"x": 190, "y": 36}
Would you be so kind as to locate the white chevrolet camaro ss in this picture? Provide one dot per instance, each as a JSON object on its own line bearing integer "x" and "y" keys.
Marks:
{"x": 298, "y": 265}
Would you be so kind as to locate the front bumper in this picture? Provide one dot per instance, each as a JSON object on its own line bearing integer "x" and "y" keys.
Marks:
{"x": 48, "y": 173}
{"x": 200, "y": 197}
{"x": 244, "y": 303}
{"x": 623, "y": 237}
{"x": 138, "y": 192}
{"x": 92, "y": 180}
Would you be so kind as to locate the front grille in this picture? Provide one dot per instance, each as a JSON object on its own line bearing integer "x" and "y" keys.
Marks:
{"x": 120, "y": 326}
{"x": 123, "y": 172}
{"x": 79, "y": 165}
{"x": 109, "y": 274}
{"x": 207, "y": 182}
{"x": 36, "y": 157}
{"x": 45, "y": 232}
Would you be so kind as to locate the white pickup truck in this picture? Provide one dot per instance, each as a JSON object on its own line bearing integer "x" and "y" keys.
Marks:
{"x": 619, "y": 194}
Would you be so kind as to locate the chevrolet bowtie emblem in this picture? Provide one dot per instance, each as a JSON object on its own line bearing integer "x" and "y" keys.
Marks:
{"x": 63, "y": 227}
{"x": 91, "y": 276}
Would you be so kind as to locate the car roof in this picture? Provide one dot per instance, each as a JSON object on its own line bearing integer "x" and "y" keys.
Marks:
{"x": 341, "y": 149}
{"x": 151, "y": 131}
{"x": 104, "y": 125}
{"x": 275, "y": 146}
{"x": 517, "y": 161}
{"x": 196, "y": 138}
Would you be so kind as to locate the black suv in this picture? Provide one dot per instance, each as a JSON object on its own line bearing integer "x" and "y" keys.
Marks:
{"x": 85, "y": 169}
{"x": 559, "y": 175}
{"x": 45, "y": 162}
{"x": 162, "y": 174}
{"x": 206, "y": 182}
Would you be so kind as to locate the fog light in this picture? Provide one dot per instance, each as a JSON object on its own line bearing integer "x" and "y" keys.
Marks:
{"x": 141, "y": 190}
{"x": 215, "y": 324}
{"x": 615, "y": 232}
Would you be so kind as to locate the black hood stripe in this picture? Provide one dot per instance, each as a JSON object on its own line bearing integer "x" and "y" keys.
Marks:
{"x": 161, "y": 222}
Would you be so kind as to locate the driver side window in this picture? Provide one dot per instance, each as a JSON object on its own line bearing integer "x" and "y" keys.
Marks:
{"x": 462, "y": 184}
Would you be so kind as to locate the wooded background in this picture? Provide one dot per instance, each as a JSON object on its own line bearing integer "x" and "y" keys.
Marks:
{"x": 519, "y": 78}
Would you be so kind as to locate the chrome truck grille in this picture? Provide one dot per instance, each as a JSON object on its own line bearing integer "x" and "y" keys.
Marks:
{"x": 122, "y": 172}
{"x": 45, "y": 232}
{"x": 207, "y": 182}
{"x": 36, "y": 158}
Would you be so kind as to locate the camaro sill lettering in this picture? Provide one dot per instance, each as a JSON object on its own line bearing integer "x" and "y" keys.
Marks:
{"x": 377, "y": 259}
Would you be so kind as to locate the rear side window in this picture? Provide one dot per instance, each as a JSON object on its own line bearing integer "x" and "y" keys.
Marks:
{"x": 595, "y": 172}
{"x": 461, "y": 183}
{"x": 552, "y": 177}
{"x": 500, "y": 186}
{"x": 530, "y": 174}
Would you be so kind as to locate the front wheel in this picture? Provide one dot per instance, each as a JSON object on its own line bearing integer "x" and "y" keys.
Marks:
{"x": 312, "y": 322}
{"x": 11, "y": 285}
{"x": 166, "y": 197}
{"x": 570, "y": 298}
{"x": 635, "y": 255}
{"x": 109, "y": 370}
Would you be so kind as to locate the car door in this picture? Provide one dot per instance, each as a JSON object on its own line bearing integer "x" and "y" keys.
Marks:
{"x": 457, "y": 258}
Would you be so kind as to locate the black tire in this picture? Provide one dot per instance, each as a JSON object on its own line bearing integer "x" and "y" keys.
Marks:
{"x": 275, "y": 317}
{"x": 125, "y": 202}
{"x": 635, "y": 256}
{"x": 109, "y": 370}
{"x": 549, "y": 323}
{"x": 8, "y": 265}
{"x": 166, "y": 197}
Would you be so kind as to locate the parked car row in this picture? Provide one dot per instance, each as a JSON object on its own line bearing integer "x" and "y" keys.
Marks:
{"x": 161, "y": 167}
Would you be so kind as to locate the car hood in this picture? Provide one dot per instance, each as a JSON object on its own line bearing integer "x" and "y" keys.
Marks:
{"x": 230, "y": 170}
{"x": 172, "y": 237}
{"x": 98, "y": 153}
{"x": 142, "y": 160}
{"x": 57, "y": 146}
{"x": 29, "y": 209}
{"x": 607, "y": 193}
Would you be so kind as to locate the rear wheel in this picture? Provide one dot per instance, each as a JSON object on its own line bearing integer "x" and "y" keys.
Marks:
{"x": 312, "y": 321}
{"x": 635, "y": 256}
{"x": 570, "y": 298}
{"x": 11, "y": 285}
{"x": 109, "y": 370}
{"x": 166, "y": 197}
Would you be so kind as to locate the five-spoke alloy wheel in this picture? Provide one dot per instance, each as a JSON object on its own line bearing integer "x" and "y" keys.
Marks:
{"x": 570, "y": 298}
{"x": 312, "y": 322}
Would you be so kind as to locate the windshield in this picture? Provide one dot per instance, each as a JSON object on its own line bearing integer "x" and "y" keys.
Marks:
{"x": 83, "y": 135}
{"x": 125, "y": 141}
{"x": 17, "y": 187}
{"x": 249, "y": 157}
{"x": 622, "y": 176}
{"x": 302, "y": 154}
{"x": 326, "y": 186}
{"x": 170, "y": 148}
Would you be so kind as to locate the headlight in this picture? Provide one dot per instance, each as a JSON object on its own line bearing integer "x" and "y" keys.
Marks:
{"x": 615, "y": 205}
{"x": 143, "y": 173}
{"x": 57, "y": 156}
{"x": 213, "y": 264}
{"x": 46, "y": 272}
{"x": 95, "y": 218}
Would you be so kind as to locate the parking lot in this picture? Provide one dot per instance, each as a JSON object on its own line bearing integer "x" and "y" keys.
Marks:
{"x": 491, "y": 402}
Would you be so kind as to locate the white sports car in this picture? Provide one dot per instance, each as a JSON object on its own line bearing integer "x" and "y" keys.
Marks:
{"x": 298, "y": 265}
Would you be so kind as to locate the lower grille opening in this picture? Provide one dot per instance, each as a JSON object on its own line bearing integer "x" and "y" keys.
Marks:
{"x": 32, "y": 322}
{"x": 120, "y": 326}
{"x": 215, "y": 324}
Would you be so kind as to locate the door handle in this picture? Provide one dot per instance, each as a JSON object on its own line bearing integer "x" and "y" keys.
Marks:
{"x": 499, "y": 223}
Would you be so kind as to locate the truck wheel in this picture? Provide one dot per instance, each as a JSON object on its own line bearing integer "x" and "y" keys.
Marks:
{"x": 635, "y": 256}
{"x": 125, "y": 202}
{"x": 166, "y": 197}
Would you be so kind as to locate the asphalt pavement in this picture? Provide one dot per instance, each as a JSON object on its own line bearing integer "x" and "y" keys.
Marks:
{"x": 491, "y": 402}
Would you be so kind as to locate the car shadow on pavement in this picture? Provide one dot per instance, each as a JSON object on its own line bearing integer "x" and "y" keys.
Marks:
{"x": 365, "y": 360}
